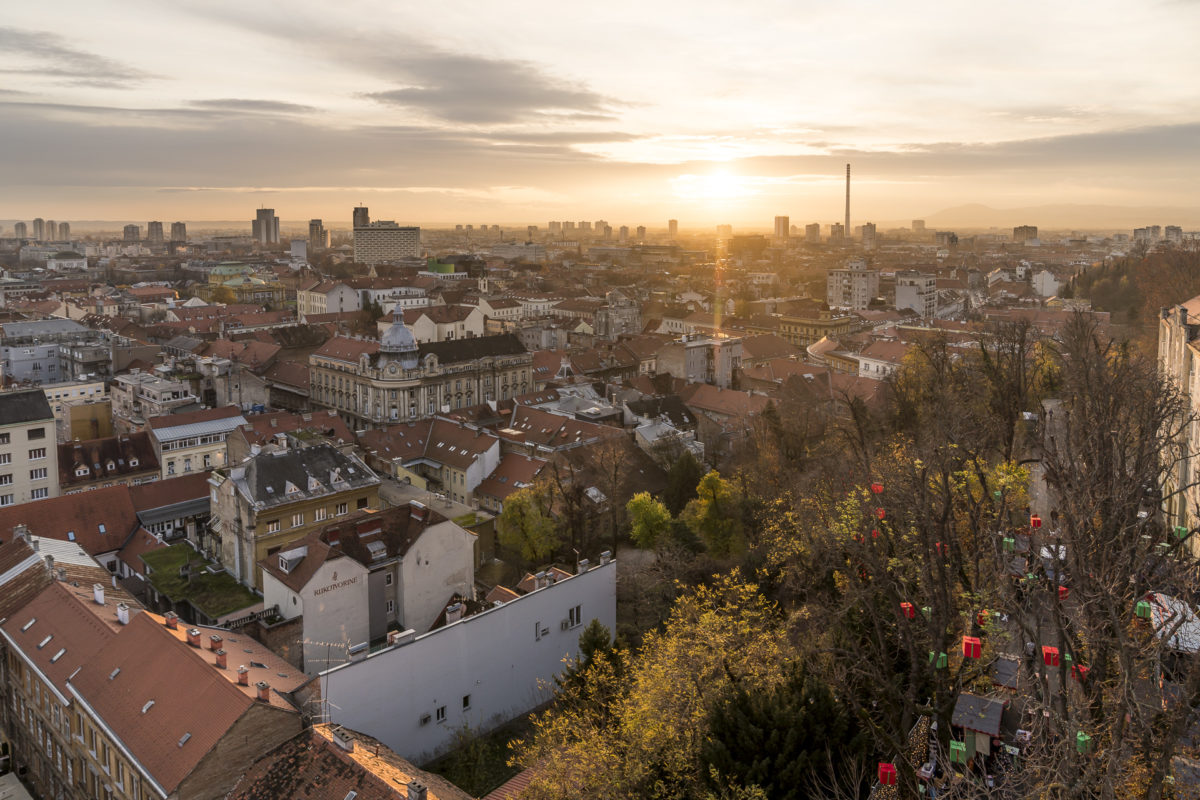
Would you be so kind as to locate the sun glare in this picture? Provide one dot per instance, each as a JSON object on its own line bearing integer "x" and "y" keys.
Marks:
{"x": 714, "y": 187}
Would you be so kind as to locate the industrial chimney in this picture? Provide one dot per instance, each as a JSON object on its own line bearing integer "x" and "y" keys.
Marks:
{"x": 846, "y": 231}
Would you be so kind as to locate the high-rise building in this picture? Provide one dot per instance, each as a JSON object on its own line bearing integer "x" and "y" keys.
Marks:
{"x": 584, "y": 225}
{"x": 531, "y": 232}
{"x": 672, "y": 227}
{"x": 386, "y": 241}
{"x": 19, "y": 230}
{"x": 154, "y": 232}
{"x": 568, "y": 226}
{"x": 39, "y": 228}
{"x": 837, "y": 233}
{"x": 868, "y": 236}
{"x": 853, "y": 287}
{"x": 318, "y": 237}
{"x": 362, "y": 217}
{"x": 812, "y": 233}
{"x": 1023, "y": 233}
{"x": 641, "y": 233}
{"x": 917, "y": 291}
{"x": 555, "y": 227}
{"x": 782, "y": 227}
{"x": 178, "y": 232}
{"x": 623, "y": 233}
{"x": 945, "y": 238}
{"x": 265, "y": 227}
{"x": 918, "y": 226}
{"x": 51, "y": 231}
{"x": 132, "y": 233}
{"x": 64, "y": 231}
{"x": 1173, "y": 233}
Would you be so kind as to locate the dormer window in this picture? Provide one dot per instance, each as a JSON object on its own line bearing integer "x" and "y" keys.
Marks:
{"x": 81, "y": 472}
{"x": 283, "y": 565}
{"x": 112, "y": 465}
{"x": 133, "y": 462}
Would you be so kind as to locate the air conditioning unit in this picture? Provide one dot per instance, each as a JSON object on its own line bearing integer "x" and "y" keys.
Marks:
{"x": 564, "y": 625}
{"x": 425, "y": 719}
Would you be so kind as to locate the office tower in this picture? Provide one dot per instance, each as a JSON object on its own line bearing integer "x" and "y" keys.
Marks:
{"x": 918, "y": 226}
{"x": 672, "y": 227}
{"x": 837, "y": 233}
{"x": 1173, "y": 233}
{"x": 846, "y": 228}
{"x": 298, "y": 250}
{"x": 362, "y": 218}
{"x": 64, "y": 231}
{"x": 641, "y": 233}
{"x": 1023, "y": 233}
{"x": 458, "y": 228}
{"x": 385, "y": 241}
{"x": 178, "y": 232}
{"x": 51, "y": 230}
{"x": 812, "y": 233}
{"x": 531, "y": 232}
{"x": 133, "y": 233}
{"x": 568, "y": 226}
{"x": 868, "y": 235}
{"x": 946, "y": 238}
{"x": 782, "y": 227}
{"x": 623, "y": 233}
{"x": 607, "y": 231}
{"x": 19, "y": 230}
{"x": 600, "y": 224}
{"x": 265, "y": 227}
{"x": 555, "y": 227}
{"x": 584, "y": 225}
{"x": 318, "y": 237}
{"x": 470, "y": 228}
{"x": 39, "y": 228}
{"x": 154, "y": 232}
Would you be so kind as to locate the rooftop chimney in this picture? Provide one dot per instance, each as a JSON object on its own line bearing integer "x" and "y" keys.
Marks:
{"x": 416, "y": 790}
{"x": 582, "y": 566}
{"x": 60, "y": 573}
{"x": 343, "y": 739}
{"x": 193, "y": 635}
{"x": 50, "y": 564}
{"x": 214, "y": 642}
{"x": 264, "y": 691}
{"x": 243, "y": 675}
{"x": 454, "y": 613}
{"x": 122, "y": 613}
{"x": 222, "y": 660}
{"x": 605, "y": 557}
{"x": 171, "y": 620}
{"x": 98, "y": 593}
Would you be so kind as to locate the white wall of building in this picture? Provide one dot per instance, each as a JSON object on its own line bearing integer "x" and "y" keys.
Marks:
{"x": 440, "y": 563}
{"x": 498, "y": 662}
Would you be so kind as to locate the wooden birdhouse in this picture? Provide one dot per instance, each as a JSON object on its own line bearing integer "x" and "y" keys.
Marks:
{"x": 971, "y": 647}
{"x": 1050, "y": 655}
{"x": 909, "y": 610}
{"x": 887, "y": 774}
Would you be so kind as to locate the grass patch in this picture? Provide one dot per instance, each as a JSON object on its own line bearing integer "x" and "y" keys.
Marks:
{"x": 214, "y": 595}
{"x": 479, "y": 763}
{"x": 466, "y": 520}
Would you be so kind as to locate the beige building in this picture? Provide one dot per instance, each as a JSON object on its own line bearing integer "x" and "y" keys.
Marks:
{"x": 193, "y": 441}
{"x": 397, "y": 380}
{"x": 382, "y": 241}
{"x": 1178, "y": 362}
{"x": 279, "y": 496}
{"x": 140, "y": 396}
{"x": 28, "y": 448}
{"x": 326, "y": 297}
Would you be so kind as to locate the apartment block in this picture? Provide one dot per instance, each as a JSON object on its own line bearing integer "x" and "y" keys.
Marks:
{"x": 28, "y": 449}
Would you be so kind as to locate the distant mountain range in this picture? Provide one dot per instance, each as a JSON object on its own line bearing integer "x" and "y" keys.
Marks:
{"x": 1065, "y": 217}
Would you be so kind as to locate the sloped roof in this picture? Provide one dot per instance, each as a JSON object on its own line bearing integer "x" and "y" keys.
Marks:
{"x": 768, "y": 345}
{"x": 977, "y": 713}
{"x": 261, "y": 428}
{"x": 728, "y": 402}
{"x": 512, "y": 473}
{"x": 24, "y": 406}
{"x": 267, "y": 476}
{"x": 195, "y": 417}
{"x": 121, "y": 451}
{"x": 101, "y": 520}
{"x": 470, "y": 349}
{"x": 343, "y": 348}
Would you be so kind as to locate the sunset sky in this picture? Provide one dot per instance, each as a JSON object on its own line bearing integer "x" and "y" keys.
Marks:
{"x": 485, "y": 112}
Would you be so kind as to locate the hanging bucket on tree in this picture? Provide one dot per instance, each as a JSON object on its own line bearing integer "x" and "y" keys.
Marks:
{"x": 1142, "y": 609}
{"x": 879, "y": 512}
{"x": 939, "y": 660}
{"x": 1009, "y": 544}
{"x": 1063, "y": 592}
{"x": 1181, "y": 532}
{"x": 997, "y": 494}
{"x": 982, "y": 617}
{"x": 1079, "y": 672}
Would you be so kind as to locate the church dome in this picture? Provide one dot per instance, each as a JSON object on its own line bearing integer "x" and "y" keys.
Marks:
{"x": 398, "y": 342}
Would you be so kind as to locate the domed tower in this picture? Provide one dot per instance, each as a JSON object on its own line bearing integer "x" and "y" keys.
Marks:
{"x": 398, "y": 344}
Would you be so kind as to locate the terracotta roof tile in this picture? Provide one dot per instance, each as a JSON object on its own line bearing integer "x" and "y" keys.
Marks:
{"x": 191, "y": 417}
{"x": 101, "y": 520}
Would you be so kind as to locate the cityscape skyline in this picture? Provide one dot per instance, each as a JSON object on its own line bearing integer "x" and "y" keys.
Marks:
{"x": 513, "y": 118}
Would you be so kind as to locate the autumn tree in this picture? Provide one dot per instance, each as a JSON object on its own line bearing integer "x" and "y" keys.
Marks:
{"x": 525, "y": 525}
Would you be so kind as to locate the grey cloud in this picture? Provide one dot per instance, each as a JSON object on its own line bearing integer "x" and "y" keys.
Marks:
{"x": 253, "y": 106}
{"x": 56, "y": 58}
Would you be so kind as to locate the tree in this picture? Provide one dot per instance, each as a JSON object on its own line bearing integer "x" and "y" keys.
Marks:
{"x": 525, "y": 525}
{"x": 714, "y": 516}
{"x": 224, "y": 295}
{"x": 651, "y": 521}
{"x": 685, "y": 473}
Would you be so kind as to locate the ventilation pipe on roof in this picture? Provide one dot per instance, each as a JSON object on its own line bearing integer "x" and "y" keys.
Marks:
{"x": 416, "y": 791}
{"x": 98, "y": 593}
{"x": 123, "y": 613}
{"x": 343, "y": 739}
{"x": 50, "y": 564}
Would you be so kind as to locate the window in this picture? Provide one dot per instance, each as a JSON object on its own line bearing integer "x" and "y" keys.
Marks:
{"x": 391, "y": 606}
{"x": 39, "y": 494}
{"x": 441, "y": 714}
{"x": 319, "y": 514}
{"x": 466, "y": 701}
{"x": 5, "y": 458}
{"x": 4, "y": 438}
{"x": 37, "y": 453}
{"x": 187, "y": 465}
{"x": 207, "y": 460}
{"x": 37, "y": 474}
{"x": 297, "y": 520}
{"x": 273, "y": 526}
{"x": 170, "y": 467}
{"x": 362, "y": 502}
{"x": 6, "y": 480}
{"x": 341, "y": 509}
{"x": 575, "y": 615}
{"x": 387, "y": 579}
{"x": 36, "y": 433}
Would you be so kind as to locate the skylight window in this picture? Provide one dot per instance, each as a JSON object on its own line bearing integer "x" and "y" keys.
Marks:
{"x": 57, "y": 655}
{"x": 45, "y": 641}
{"x": 148, "y": 706}
{"x": 28, "y": 625}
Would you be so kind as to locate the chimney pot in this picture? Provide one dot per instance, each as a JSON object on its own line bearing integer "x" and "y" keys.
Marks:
{"x": 222, "y": 660}
{"x": 214, "y": 642}
{"x": 123, "y": 613}
{"x": 50, "y": 564}
{"x": 193, "y": 635}
{"x": 171, "y": 620}
{"x": 264, "y": 691}
{"x": 416, "y": 791}
{"x": 61, "y": 573}
{"x": 98, "y": 593}
{"x": 243, "y": 675}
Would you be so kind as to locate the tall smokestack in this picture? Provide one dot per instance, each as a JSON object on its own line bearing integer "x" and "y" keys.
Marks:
{"x": 847, "y": 230}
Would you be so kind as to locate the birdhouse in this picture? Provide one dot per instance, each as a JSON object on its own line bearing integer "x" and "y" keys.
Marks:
{"x": 1067, "y": 659}
{"x": 887, "y": 774}
{"x": 997, "y": 494}
{"x": 982, "y": 617}
{"x": 1079, "y": 672}
{"x": 874, "y": 533}
{"x": 1009, "y": 544}
{"x": 909, "y": 610}
{"x": 877, "y": 488}
{"x": 1181, "y": 532}
{"x": 971, "y": 648}
{"x": 1035, "y": 521}
{"x": 1050, "y": 655}
{"x": 1142, "y": 609}
{"x": 879, "y": 512}
{"x": 1063, "y": 593}
{"x": 958, "y": 752}
{"x": 939, "y": 660}
{"x": 1083, "y": 742}
{"x": 927, "y": 611}
{"x": 941, "y": 549}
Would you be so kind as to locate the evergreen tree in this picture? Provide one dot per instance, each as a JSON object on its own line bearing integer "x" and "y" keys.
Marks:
{"x": 685, "y": 473}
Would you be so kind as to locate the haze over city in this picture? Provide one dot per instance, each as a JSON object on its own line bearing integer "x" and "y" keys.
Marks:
{"x": 710, "y": 113}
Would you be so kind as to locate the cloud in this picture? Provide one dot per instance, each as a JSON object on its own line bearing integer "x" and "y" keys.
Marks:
{"x": 55, "y": 58}
{"x": 252, "y": 106}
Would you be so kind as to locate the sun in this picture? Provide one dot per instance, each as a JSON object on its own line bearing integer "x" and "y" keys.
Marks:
{"x": 719, "y": 186}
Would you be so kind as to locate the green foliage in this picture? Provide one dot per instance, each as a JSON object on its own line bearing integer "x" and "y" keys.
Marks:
{"x": 525, "y": 525}
{"x": 596, "y": 638}
{"x": 649, "y": 519}
{"x": 714, "y": 516}
{"x": 682, "y": 478}
{"x": 780, "y": 737}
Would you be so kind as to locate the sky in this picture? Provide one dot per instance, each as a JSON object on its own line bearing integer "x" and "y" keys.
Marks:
{"x": 632, "y": 112}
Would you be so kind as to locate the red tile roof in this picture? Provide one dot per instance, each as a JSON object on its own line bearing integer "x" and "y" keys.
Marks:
{"x": 345, "y": 349}
{"x": 191, "y": 417}
{"x": 95, "y": 455}
{"x": 169, "y": 492}
{"x": 513, "y": 472}
{"x": 260, "y": 428}
{"x": 78, "y": 518}
{"x": 726, "y": 402}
